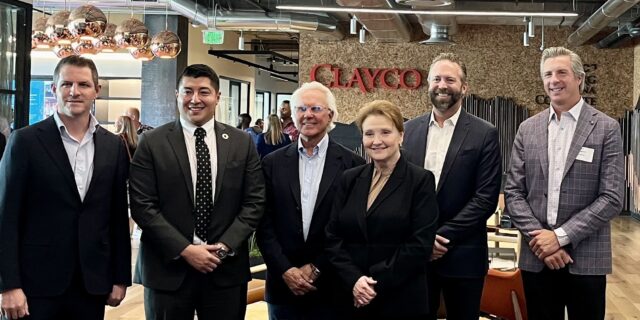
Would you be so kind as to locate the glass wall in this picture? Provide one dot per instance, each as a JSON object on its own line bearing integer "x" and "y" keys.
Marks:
{"x": 15, "y": 63}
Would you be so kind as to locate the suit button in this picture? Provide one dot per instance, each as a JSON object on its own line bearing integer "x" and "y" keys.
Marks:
{"x": 298, "y": 209}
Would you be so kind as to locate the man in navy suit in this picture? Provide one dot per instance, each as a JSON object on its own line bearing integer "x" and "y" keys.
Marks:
{"x": 64, "y": 231}
{"x": 301, "y": 180}
{"x": 463, "y": 153}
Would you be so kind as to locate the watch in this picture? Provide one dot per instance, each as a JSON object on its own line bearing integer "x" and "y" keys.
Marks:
{"x": 222, "y": 253}
{"x": 315, "y": 270}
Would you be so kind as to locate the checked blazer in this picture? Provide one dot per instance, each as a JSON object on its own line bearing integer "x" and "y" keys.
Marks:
{"x": 591, "y": 193}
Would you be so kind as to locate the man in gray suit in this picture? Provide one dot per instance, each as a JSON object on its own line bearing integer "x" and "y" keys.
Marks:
{"x": 197, "y": 192}
{"x": 564, "y": 186}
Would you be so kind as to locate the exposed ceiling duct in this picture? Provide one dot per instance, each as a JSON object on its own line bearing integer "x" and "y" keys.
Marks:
{"x": 619, "y": 37}
{"x": 609, "y": 12}
{"x": 383, "y": 27}
{"x": 439, "y": 28}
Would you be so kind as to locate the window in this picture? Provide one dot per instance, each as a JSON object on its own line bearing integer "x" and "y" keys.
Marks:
{"x": 263, "y": 104}
{"x": 234, "y": 100}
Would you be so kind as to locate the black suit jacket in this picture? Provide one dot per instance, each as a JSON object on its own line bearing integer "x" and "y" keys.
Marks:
{"x": 280, "y": 234}
{"x": 46, "y": 230}
{"x": 3, "y": 143}
{"x": 391, "y": 242}
{"x": 467, "y": 191}
{"x": 162, "y": 201}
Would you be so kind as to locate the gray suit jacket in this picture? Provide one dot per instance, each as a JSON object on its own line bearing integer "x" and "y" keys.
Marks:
{"x": 162, "y": 202}
{"x": 591, "y": 193}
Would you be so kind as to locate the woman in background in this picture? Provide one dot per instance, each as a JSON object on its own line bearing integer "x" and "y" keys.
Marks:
{"x": 383, "y": 224}
{"x": 127, "y": 132}
{"x": 273, "y": 139}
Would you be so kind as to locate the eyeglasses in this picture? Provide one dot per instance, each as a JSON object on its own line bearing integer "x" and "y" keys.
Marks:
{"x": 314, "y": 109}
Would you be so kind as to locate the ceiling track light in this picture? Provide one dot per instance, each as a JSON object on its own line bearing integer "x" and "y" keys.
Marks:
{"x": 353, "y": 25}
{"x": 241, "y": 41}
{"x": 531, "y": 28}
{"x": 363, "y": 35}
{"x": 525, "y": 39}
{"x": 353, "y": 10}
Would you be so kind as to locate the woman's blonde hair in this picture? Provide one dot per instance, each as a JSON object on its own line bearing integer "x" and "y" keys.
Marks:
{"x": 274, "y": 134}
{"x": 383, "y": 108}
{"x": 125, "y": 128}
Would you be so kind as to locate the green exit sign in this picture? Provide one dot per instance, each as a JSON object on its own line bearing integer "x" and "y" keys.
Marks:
{"x": 212, "y": 36}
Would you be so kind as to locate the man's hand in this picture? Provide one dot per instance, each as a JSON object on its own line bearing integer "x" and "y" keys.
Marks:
{"x": 201, "y": 257}
{"x": 117, "y": 295}
{"x": 307, "y": 269}
{"x": 439, "y": 248}
{"x": 558, "y": 260}
{"x": 298, "y": 281}
{"x": 544, "y": 243}
{"x": 363, "y": 291}
{"x": 14, "y": 304}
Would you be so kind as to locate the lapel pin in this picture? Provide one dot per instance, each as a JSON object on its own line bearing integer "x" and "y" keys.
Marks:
{"x": 225, "y": 136}
{"x": 591, "y": 122}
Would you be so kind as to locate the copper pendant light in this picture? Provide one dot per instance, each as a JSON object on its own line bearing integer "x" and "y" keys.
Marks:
{"x": 87, "y": 22}
{"x": 39, "y": 39}
{"x": 63, "y": 50}
{"x": 166, "y": 45}
{"x": 57, "y": 28}
{"x": 84, "y": 48}
{"x": 132, "y": 34}
{"x": 142, "y": 54}
{"x": 106, "y": 42}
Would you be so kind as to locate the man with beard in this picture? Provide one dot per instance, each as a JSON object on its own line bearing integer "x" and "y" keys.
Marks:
{"x": 463, "y": 153}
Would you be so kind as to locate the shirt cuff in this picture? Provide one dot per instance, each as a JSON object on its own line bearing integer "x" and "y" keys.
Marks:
{"x": 563, "y": 238}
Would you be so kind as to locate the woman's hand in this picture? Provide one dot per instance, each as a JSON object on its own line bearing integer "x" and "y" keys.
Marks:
{"x": 363, "y": 291}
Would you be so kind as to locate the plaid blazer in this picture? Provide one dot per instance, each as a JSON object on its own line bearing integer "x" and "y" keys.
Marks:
{"x": 591, "y": 194}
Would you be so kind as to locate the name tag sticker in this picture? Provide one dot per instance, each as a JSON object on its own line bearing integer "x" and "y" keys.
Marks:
{"x": 585, "y": 154}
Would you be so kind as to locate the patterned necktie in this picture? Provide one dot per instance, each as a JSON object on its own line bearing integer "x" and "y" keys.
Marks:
{"x": 204, "y": 198}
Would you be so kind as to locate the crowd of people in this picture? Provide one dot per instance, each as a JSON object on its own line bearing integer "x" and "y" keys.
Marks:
{"x": 341, "y": 238}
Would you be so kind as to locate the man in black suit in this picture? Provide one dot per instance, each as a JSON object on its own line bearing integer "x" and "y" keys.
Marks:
{"x": 301, "y": 180}
{"x": 197, "y": 193}
{"x": 463, "y": 153}
{"x": 64, "y": 231}
{"x": 3, "y": 143}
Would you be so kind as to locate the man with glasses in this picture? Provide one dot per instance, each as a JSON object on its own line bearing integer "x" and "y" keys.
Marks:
{"x": 300, "y": 180}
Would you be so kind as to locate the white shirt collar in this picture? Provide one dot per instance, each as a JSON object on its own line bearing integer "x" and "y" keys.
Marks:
{"x": 93, "y": 123}
{"x": 191, "y": 128}
{"x": 320, "y": 149}
{"x": 574, "y": 111}
{"x": 453, "y": 119}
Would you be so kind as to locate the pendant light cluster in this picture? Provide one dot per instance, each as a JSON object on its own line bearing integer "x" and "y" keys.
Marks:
{"x": 85, "y": 31}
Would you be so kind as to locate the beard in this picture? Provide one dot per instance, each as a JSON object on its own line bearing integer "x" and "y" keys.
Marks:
{"x": 444, "y": 105}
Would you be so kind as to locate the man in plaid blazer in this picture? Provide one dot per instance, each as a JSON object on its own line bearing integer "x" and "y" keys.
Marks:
{"x": 564, "y": 185}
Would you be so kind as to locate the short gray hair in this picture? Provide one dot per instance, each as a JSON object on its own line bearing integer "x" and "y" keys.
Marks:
{"x": 576, "y": 62}
{"x": 296, "y": 101}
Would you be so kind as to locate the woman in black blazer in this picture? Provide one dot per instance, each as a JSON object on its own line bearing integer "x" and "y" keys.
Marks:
{"x": 383, "y": 223}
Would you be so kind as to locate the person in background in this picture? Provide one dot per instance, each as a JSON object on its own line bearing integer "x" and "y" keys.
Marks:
{"x": 383, "y": 223}
{"x": 273, "y": 139}
{"x": 255, "y": 130}
{"x": 65, "y": 250}
{"x": 300, "y": 180}
{"x": 134, "y": 114}
{"x": 244, "y": 121}
{"x": 3, "y": 142}
{"x": 288, "y": 125}
{"x": 463, "y": 153}
{"x": 125, "y": 129}
{"x": 565, "y": 184}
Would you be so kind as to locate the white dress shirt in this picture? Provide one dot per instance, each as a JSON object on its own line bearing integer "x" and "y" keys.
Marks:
{"x": 560, "y": 134}
{"x": 310, "y": 169}
{"x": 438, "y": 140}
{"x": 80, "y": 153}
{"x": 189, "y": 130}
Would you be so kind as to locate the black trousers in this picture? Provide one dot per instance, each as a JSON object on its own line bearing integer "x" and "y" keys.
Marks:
{"x": 196, "y": 294}
{"x": 461, "y": 297}
{"x": 74, "y": 304}
{"x": 548, "y": 293}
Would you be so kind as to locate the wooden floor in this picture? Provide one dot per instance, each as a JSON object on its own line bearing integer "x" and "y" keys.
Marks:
{"x": 623, "y": 286}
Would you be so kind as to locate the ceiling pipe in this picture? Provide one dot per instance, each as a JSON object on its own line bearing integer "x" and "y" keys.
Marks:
{"x": 610, "y": 11}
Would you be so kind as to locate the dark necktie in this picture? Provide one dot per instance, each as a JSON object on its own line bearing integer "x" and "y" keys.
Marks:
{"x": 204, "y": 198}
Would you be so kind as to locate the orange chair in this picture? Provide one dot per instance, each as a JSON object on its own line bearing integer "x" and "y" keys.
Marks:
{"x": 503, "y": 296}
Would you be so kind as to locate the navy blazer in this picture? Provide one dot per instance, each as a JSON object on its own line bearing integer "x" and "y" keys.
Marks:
{"x": 467, "y": 191}
{"x": 280, "y": 235}
{"x": 46, "y": 230}
{"x": 390, "y": 242}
